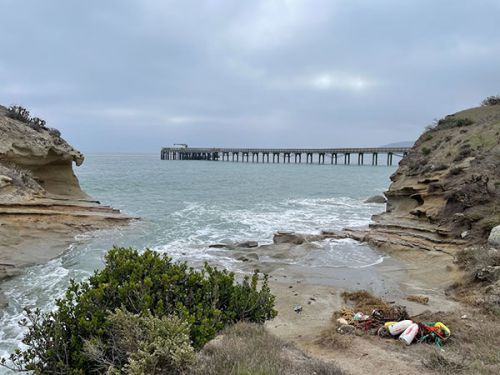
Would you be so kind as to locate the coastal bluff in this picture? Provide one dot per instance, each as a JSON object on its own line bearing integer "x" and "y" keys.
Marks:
{"x": 445, "y": 195}
{"x": 42, "y": 206}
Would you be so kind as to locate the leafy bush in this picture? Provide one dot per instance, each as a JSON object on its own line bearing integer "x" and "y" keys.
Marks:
{"x": 452, "y": 122}
{"x": 143, "y": 345}
{"x": 463, "y": 152}
{"x": 426, "y": 151}
{"x": 428, "y": 137}
{"x": 491, "y": 100}
{"x": 144, "y": 284}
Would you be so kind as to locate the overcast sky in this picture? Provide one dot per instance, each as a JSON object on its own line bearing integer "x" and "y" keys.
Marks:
{"x": 132, "y": 76}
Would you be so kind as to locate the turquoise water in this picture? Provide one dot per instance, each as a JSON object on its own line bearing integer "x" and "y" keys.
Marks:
{"x": 187, "y": 205}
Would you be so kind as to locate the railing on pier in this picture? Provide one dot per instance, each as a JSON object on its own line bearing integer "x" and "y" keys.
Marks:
{"x": 267, "y": 155}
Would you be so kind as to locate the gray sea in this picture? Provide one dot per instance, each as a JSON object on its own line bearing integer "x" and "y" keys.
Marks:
{"x": 187, "y": 205}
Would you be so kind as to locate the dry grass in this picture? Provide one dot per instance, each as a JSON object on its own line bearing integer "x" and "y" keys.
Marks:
{"x": 471, "y": 290}
{"x": 441, "y": 363}
{"x": 419, "y": 299}
{"x": 248, "y": 349}
{"x": 361, "y": 300}
{"x": 331, "y": 339}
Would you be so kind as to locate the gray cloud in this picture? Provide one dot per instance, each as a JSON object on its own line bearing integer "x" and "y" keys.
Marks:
{"x": 124, "y": 75}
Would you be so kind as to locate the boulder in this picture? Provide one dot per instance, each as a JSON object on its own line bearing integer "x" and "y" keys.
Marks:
{"x": 288, "y": 237}
{"x": 494, "y": 238}
{"x": 376, "y": 199}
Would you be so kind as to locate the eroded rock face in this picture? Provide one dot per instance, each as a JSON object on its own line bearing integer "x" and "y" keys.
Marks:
{"x": 448, "y": 185}
{"x": 42, "y": 206}
{"x": 37, "y": 159}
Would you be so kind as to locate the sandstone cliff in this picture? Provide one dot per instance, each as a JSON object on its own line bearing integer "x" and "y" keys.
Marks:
{"x": 445, "y": 194}
{"x": 42, "y": 206}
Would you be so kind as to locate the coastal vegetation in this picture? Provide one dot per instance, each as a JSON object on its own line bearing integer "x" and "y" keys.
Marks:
{"x": 249, "y": 349}
{"x": 491, "y": 100}
{"x": 20, "y": 113}
{"x": 141, "y": 311}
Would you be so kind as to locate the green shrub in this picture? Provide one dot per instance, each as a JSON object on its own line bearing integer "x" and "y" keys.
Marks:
{"x": 426, "y": 151}
{"x": 142, "y": 345}
{"x": 491, "y": 100}
{"x": 452, "y": 122}
{"x": 428, "y": 137}
{"x": 148, "y": 283}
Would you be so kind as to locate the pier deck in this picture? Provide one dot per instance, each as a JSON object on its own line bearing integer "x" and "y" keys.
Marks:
{"x": 267, "y": 155}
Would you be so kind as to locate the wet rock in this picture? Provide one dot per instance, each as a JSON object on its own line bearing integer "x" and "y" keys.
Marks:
{"x": 376, "y": 199}
{"x": 335, "y": 234}
{"x": 288, "y": 237}
{"x": 218, "y": 246}
{"x": 494, "y": 238}
{"x": 248, "y": 244}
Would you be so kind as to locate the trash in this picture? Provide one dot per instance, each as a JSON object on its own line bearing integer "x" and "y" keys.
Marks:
{"x": 388, "y": 321}
{"x": 409, "y": 334}
{"x": 445, "y": 330}
{"x": 388, "y": 324}
{"x": 383, "y": 332}
{"x": 342, "y": 321}
{"x": 359, "y": 316}
{"x": 297, "y": 309}
{"x": 434, "y": 332}
{"x": 399, "y": 327}
{"x": 394, "y": 313}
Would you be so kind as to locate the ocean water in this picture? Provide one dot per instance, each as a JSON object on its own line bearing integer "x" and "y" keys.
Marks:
{"x": 185, "y": 206}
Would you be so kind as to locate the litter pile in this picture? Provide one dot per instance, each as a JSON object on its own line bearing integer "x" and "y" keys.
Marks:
{"x": 386, "y": 321}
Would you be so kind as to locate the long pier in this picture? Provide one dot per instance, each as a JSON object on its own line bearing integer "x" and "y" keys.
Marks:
{"x": 286, "y": 155}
